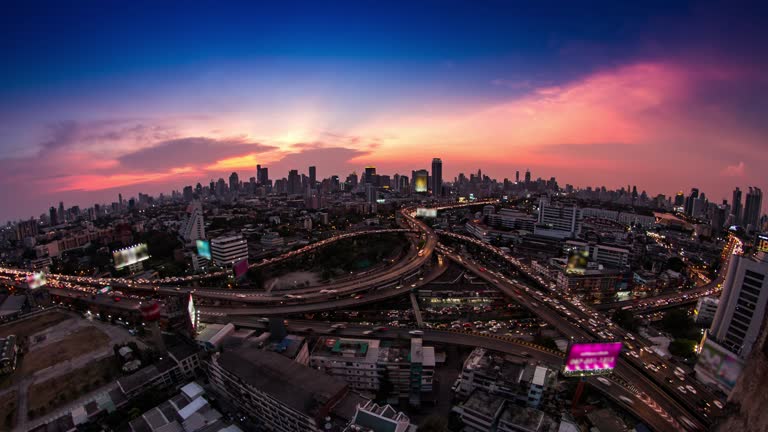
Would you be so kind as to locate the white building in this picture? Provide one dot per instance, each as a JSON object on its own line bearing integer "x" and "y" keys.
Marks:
{"x": 736, "y": 324}
{"x": 370, "y": 417}
{"x": 192, "y": 227}
{"x": 705, "y": 310}
{"x": 558, "y": 220}
{"x": 226, "y": 251}
{"x": 511, "y": 219}
{"x": 613, "y": 256}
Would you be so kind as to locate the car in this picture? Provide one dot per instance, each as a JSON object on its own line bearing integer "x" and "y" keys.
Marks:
{"x": 604, "y": 380}
{"x": 626, "y": 400}
{"x": 718, "y": 403}
{"x": 525, "y": 354}
{"x": 416, "y": 332}
{"x": 681, "y": 389}
{"x": 688, "y": 422}
{"x": 367, "y": 332}
{"x": 690, "y": 388}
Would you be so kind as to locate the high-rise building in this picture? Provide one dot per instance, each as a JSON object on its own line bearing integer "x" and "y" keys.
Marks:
{"x": 221, "y": 187}
{"x": 736, "y": 207}
{"x": 680, "y": 199}
{"x": 53, "y": 216}
{"x": 27, "y": 228}
{"x": 294, "y": 182}
{"x": 61, "y": 215}
{"x": 558, "y": 220}
{"x": 258, "y": 173}
{"x": 371, "y": 194}
{"x": 262, "y": 175}
{"x": 689, "y": 201}
{"x": 437, "y": 177}
{"x": 192, "y": 226}
{"x": 742, "y": 304}
{"x": 234, "y": 182}
{"x": 312, "y": 176}
{"x": 517, "y": 176}
{"x": 420, "y": 181}
{"x": 737, "y": 321}
{"x": 752, "y": 208}
{"x": 527, "y": 176}
{"x": 228, "y": 250}
{"x": 370, "y": 173}
{"x": 187, "y": 194}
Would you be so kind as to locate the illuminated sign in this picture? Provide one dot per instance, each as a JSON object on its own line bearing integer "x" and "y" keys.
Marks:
{"x": 762, "y": 243}
{"x": 719, "y": 364}
{"x": 425, "y": 212}
{"x": 105, "y": 290}
{"x": 577, "y": 262}
{"x": 36, "y": 280}
{"x": 204, "y": 248}
{"x": 131, "y": 255}
{"x": 420, "y": 182}
{"x": 192, "y": 312}
{"x": 596, "y": 358}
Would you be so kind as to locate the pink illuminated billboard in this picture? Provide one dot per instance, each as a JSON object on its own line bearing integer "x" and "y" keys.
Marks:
{"x": 591, "y": 358}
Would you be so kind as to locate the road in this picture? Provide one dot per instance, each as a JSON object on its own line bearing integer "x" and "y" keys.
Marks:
{"x": 573, "y": 320}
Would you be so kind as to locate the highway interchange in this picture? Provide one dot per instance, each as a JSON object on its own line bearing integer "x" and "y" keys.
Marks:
{"x": 643, "y": 382}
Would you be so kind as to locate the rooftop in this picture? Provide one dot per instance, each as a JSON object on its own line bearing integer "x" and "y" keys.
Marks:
{"x": 300, "y": 387}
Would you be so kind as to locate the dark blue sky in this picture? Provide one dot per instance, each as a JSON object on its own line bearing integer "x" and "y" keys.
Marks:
{"x": 383, "y": 72}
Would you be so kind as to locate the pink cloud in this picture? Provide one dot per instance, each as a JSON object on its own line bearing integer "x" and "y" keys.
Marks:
{"x": 734, "y": 170}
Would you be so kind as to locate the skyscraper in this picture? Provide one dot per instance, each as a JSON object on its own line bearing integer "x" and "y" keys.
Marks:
{"x": 52, "y": 215}
{"x": 294, "y": 182}
{"x": 312, "y": 176}
{"x": 234, "y": 182}
{"x": 689, "y": 201}
{"x": 60, "y": 217}
{"x": 527, "y": 176}
{"x": 517, "y": 176}
{"x": 752, "y": 208}
{"x": 370, "y": 173}
{"x": 736, "y": 208}
{"x": 420, "y": 181}
{"x": 258, "y": 173}
{"x": 437, "y": 177}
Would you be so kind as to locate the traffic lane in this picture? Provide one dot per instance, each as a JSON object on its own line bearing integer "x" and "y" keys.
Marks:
{"x": 318, "y": 306}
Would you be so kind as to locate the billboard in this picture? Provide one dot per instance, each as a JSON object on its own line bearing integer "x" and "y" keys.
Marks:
{"x": 105, "y": 290}
{"x": 426, "y": 213}
{"x": 762, "y": 243}
{"x": 192, "y": 312}
{"x": 240, "y": 268}
{"x": 718, "y": 364}
{"x": 577, "y": 261}
{"x": 36, "y": 280}
{"x": 204, "y": 248}
{"x": 130, "y": 255}
{"x": 593, "y": 358}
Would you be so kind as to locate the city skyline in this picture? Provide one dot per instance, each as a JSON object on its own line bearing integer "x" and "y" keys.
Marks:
{"x": 567, "y": 93}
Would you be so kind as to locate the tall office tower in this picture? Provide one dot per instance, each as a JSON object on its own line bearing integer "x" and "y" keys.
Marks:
{"x": 679, "y": 199}
{"x": 404, "y": 184}
{"x": 262, "y": 177}
{"x": 60, "y": 215}
{"x": 517, "y": 176}
{"x": 396, "y": 182}
{"x": 258, "y": 173}
{"x": 737, "y": 322}
{"x": 420, "y": 181}
{"x": 312, "y": 176}
{"x": 294, "y": 182}
{"x": 187, "y": 194}
{"x": 52, "y": 215}
{"x": 752, "y": 207}
{"x": 193, "y": 226}
{"x": 371, "y": 194}
{"x": 689, "y": 201}
{"x": 221, "y": 187}
{"x": 437, "y": 177}
{"x": 370, "y": 173}
{"x": 120, "y": 200}
{"x": 736, "y": 207}
{"x": 527, "y": 176}
{"x": 199, "y": 189}
{"x": 352, "y": 180}
{"x": 234, "y": 182}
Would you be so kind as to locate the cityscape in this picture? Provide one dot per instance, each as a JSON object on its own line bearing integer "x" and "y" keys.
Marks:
{"x": 383, "y": 217}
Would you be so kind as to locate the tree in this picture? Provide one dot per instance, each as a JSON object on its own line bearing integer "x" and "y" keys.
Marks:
{"x": 682, "y": 347}
{"x": 434, "y": 423}
{"x": 675, "y": 264}
{"x": 677, "y": 323}
{"x": 625, "y": 319}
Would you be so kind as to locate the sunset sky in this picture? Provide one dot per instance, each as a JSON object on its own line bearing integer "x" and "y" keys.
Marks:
{"x": 102, "y": 97}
